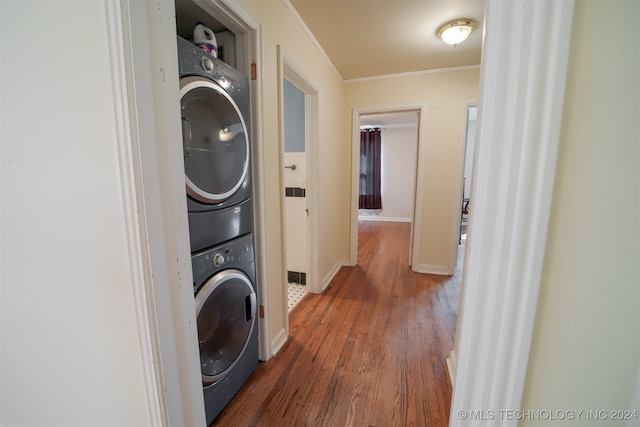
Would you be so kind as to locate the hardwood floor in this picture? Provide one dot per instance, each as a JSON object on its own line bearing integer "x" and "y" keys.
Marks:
{"x": 370, "y": 351}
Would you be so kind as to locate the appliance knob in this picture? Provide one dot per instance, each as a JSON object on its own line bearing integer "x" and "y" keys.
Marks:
{"x": 207, "y": 64}
{"x": 218, "y": 260}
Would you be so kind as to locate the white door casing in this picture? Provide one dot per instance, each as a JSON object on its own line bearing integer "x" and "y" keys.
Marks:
{"x": 416, "y": 226}
{"x": 150, "y": 61}
{"x": 523, "y": 74}
{"x": 287, "y": 69}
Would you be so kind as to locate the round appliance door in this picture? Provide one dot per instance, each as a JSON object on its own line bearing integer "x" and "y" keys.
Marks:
{"x": 226, "y": 316}
{"x": 215, "y": 141}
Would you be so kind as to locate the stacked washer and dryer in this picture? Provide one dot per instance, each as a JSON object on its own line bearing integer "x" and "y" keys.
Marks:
{"x": 215, "y": 127}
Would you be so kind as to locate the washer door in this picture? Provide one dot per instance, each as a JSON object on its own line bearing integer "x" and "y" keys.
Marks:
{"x": 215, "y": 141}
{"x": 226, "y": 315}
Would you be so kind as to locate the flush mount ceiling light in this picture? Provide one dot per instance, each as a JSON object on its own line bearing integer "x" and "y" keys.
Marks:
{"x": 457, "y": 31}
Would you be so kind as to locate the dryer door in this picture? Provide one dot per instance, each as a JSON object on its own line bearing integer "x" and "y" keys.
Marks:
{"x": 215, "y": 141}
{"x": 226, "y": 314}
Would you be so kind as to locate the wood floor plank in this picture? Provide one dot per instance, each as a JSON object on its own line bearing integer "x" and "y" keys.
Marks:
{"x": 369, "y": 351}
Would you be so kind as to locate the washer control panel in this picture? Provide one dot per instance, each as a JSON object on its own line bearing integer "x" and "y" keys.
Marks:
{"x": 232, "y": 254}
{"x": 218, "y": 260}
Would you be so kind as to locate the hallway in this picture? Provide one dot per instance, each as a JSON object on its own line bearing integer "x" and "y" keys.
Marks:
{"x": 370, "y": 351}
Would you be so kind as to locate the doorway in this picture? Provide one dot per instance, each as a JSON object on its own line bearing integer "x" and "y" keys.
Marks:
{"x": 295, "y": 188}
{"x": 398, "y": 133}
{"x": 400, "y": 153}
{"x": 299, "y": 112}
{"x": 465, "y": 209}
{"x": 399, "y": 148}
{"x": 472, "y": 115}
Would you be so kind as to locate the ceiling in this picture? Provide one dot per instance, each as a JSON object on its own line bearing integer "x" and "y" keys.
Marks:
{"x": 366, "y": 38}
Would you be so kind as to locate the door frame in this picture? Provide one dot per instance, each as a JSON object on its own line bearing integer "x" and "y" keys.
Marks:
{"x": 473, "y": 102}
{"x": 288, "y": 69}
{"x": 145, "y": 50}
{"x": 457, "y": 218}
{"x": 523, "y": 80}
{"x": 416, "y": 212}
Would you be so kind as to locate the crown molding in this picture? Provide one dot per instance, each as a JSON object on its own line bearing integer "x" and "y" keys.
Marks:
{"x": 313, "y": 39}
{"x": 414, "y": 73}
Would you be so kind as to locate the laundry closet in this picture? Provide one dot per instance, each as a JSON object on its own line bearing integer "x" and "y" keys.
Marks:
{"x": 216, "y": 141}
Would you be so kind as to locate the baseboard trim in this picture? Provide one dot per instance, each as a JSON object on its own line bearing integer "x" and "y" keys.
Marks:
{"x": 329, "y": 277}
{"x": 278, "y": 341}
{"x": 451, "y": 366}
{"x": 433, "y": 269}
{"x": 382, "y": 218}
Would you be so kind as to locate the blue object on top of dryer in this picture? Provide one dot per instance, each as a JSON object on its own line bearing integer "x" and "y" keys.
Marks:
{"x": 214, "y": 100}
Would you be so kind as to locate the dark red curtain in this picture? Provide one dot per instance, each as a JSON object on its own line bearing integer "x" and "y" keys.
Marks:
{"x": 370, "y": 169}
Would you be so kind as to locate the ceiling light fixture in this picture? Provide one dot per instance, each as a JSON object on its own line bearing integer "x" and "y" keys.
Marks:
{"x": 455, "y": 32}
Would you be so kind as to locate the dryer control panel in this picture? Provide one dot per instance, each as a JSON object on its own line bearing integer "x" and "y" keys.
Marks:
{"x": 193, "y": 61}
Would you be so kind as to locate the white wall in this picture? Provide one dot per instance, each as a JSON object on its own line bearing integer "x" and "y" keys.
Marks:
{"x": 585, "y": 350}
{"x": 69, "y": 353}
{"x": 399, "y": 156}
